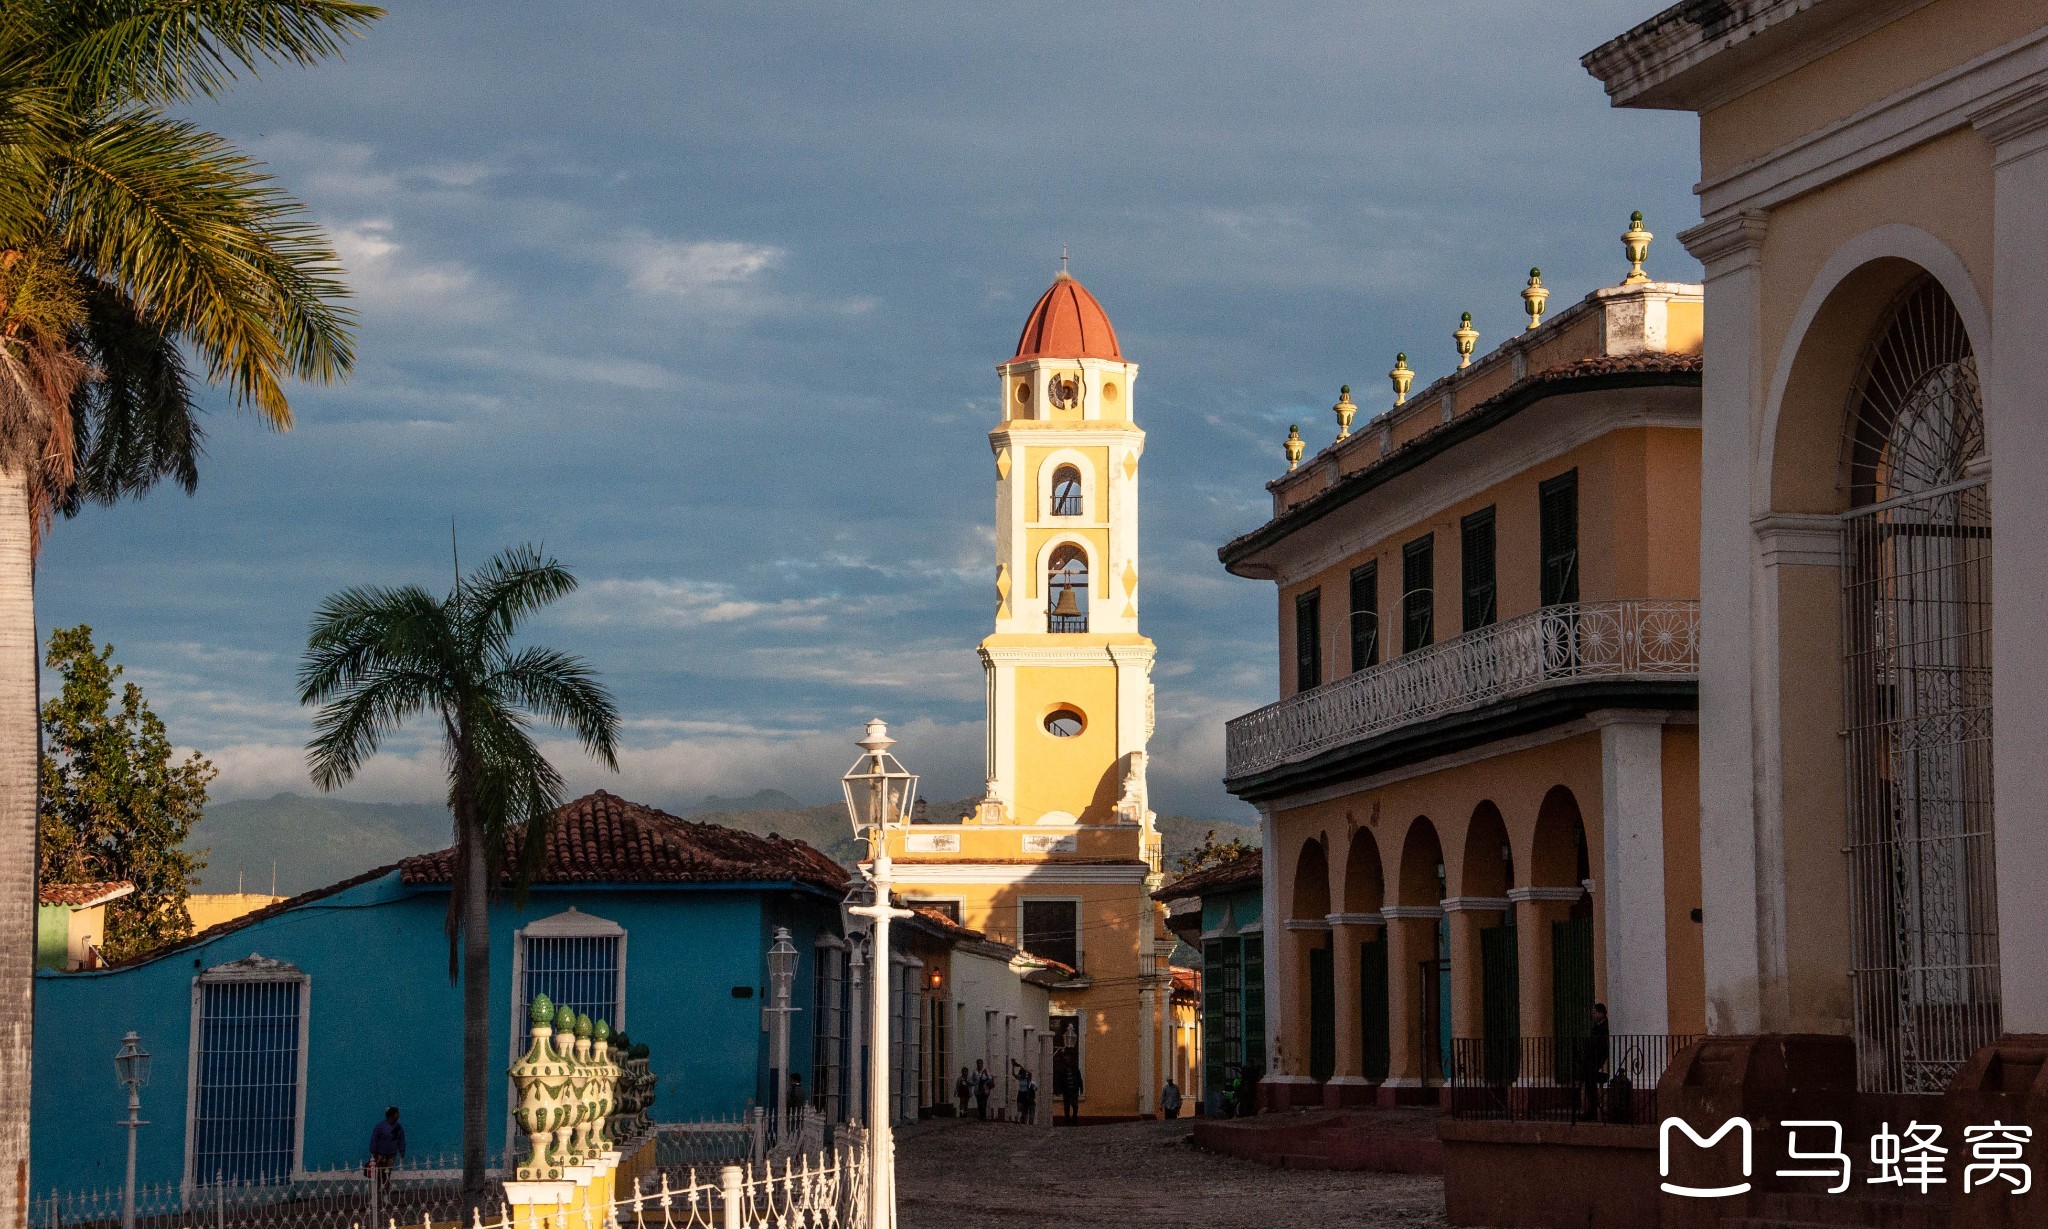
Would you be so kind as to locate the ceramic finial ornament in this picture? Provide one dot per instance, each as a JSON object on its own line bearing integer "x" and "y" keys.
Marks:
{"x": 1534, "y": 296}
{"x": 1295, "y": 446}
{"x": 1635, "y": 241}
{"x": 1403, "y": 377}
{"x": 1344, "y": 410}
{"x": 1467, "y": 338}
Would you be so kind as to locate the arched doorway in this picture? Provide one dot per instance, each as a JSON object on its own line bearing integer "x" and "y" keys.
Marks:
{"x": 1559, "y": 867}
{"x": 1312, "y": 909}
{"x": 1422, "y": 884}
{"x": 1486, "y": 872}
{"x": 1916, "y": 586}
{"x": 1365, "y": 893}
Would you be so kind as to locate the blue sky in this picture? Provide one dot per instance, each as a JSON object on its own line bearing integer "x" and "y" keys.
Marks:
{"x": 707, "y": 298}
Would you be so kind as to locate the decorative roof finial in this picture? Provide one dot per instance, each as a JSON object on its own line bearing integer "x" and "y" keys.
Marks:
{"x": 1534, "y": 296}
{"x": 1467, "y": 338}
{"x": 1295, "y": 446}
{"x": 1402, "y": 375}
{"x": 1636, "y": 242}
{"x": 1063, "y": 275}
{"x": 1344, "y": 409}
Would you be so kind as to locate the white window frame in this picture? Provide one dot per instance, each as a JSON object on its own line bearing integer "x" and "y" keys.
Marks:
{"x": 833, "y": 949}
{"x": 1080, "y": 904}
{"x": 251, "y": 968}
{"x": 570, "y": 923}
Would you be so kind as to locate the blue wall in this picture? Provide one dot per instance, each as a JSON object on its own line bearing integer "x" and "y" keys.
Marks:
{"x": 386, "y": 1026}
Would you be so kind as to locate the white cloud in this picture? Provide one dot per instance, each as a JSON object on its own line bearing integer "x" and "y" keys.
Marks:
{"x": 656, "y": 266}
{"x": 387, "y": 281}
{"x": 694, "y": 603}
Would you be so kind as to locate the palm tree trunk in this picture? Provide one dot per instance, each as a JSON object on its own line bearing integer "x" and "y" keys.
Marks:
{"x": 476, "y": 1014}
{"x": 18, "y": 764}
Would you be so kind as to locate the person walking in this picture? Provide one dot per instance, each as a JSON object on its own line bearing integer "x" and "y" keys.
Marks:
{"x": 1069, "y": 1078}
{"x": 1027, "y": 1095}
{"x": 1169, "y": 1099}
{"x": 1592, "y": 1061}
{"x": 963, "y": 1091}
{"x": 984, "y": 1084}
{"x": 387, "y": 1144}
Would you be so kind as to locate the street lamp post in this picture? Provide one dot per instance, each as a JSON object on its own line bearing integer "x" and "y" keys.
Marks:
{"x": 131, "y": 1067}
{"x": 879, "y": 795}
{"x": 781, "y": 977}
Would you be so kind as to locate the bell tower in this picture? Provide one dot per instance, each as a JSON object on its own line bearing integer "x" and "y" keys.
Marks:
{"x": 1069, "y": 675}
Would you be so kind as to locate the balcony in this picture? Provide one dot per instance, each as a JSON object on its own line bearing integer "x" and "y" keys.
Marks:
{"x": 1635, "y": 640}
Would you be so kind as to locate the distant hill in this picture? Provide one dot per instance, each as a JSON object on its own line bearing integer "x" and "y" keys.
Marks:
{"x": 318, "y": 841}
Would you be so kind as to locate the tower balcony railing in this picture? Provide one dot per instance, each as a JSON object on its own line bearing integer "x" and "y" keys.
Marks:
{"x": 1630, "y": 639}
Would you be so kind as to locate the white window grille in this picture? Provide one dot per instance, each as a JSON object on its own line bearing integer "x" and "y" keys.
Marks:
{"x": 1916, "y": 583}
{"x": 828, "y": 1021}
{"x": 245, "y": 1106}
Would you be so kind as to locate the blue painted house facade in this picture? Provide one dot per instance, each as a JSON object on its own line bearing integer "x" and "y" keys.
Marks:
{"x": 279, "y": 1038}
{"x": 1219, "y": 911}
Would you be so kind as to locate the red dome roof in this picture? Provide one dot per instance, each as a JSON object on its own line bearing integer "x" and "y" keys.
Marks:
{"x": 1067, "y": 323}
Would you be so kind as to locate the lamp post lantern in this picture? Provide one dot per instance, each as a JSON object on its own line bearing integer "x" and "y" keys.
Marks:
{"x": 131, "y": 1068}
{"x": 781, "y": 977}
{"x": 879, "y": 795}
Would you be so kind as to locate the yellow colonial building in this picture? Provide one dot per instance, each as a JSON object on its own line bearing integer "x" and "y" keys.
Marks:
{"x": 1061, "y": 854}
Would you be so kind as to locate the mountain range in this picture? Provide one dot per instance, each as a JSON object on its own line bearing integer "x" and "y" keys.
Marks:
{"x": 300, "y": 843}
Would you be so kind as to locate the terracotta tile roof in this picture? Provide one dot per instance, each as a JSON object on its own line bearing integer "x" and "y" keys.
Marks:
{"x": 1067, "y": 322}
{"x": 83, "y": 895}
{"x": 1627, "y": 369}
{"x": 602, "y": 838}
{"x": 1236, "y": 873}
{"x": 1186, "y": 980}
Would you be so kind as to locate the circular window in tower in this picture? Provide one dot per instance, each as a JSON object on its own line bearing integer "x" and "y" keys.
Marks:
{"x": 1109, "y": 390}
{"x": 1023, "y": 392}
{"x": 1065, "y": 722}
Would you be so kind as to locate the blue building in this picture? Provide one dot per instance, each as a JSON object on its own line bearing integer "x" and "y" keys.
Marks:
{"x": 280, "y": 1037}
{"x": 1218, "y": 911}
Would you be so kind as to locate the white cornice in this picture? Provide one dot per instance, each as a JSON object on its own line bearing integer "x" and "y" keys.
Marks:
{"x": 1798, "y": 539}
{"x": 1994, "y": 88}
{"x": 1407, "y": 913}
{"x": 1729, "y": 243}
{"x": 1561, "y": 895}
{"x": 1475, "y": 904}
{"x": 1306, "y": 923}
{"x": 933, "y": 874}
{"x": 1355, "y": 919}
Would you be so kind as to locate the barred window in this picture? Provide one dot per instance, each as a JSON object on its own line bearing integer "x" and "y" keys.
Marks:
{"x": 828, "y": 1062}
{"x": 1365, "y": 616}
{"x": 1558, "y": 530}
{"x": 1308, "y": 639}
{"x": 1476, "y": 540}
{"x": 1418, "y": 593}
{"x": 248, "y": 1073}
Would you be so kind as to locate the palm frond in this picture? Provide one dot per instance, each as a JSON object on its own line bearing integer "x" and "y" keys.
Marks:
{"x": 563, "y": 691}
{"x": 349, "y": 730}
{"x": 514, "y": 583}
{"x": 202, "y": 241}
{"x": 367, "y": 630}
{"x": 135, "y": 424}
{"x": 166, "y": 51}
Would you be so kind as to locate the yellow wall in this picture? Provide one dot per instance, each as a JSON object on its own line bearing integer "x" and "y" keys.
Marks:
{"x": 1639, "y": 498}
{"x": 1076, "y": 775}
{"x": 213, "y": 908}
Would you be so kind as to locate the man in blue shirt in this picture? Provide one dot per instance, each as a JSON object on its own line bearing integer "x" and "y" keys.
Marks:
{"x": 387, "y": 1144}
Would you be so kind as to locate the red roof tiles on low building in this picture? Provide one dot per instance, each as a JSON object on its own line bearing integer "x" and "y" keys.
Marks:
{"x": 83, "y": 895}
{"x": 1238, "y": 872}
{"x": 602, "y": 838}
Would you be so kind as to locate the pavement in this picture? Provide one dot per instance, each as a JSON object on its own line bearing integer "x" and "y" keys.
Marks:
{"x": 963, "y": 1174}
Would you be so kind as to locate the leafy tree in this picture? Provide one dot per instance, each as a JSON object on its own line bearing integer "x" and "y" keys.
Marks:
{"x": 377, "y": 657}
{"x": 116, "y": 803}
{"x": 1211, "y": 852}
{"x": 138, "y": 253}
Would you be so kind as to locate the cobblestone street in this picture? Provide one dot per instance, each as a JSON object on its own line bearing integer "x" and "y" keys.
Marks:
{"x": 954, "y": 1174}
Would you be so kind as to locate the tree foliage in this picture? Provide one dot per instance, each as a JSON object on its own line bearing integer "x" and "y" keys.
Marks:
{"x": 131, "y": 238}
{"x": 1212, "y": 852}
{"x": 117, "y": 803}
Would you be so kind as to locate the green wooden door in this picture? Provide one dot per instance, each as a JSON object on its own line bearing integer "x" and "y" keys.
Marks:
{"x": 1372, "y": 1006}
{"x": 1571, "y": 988}
{"x": 1500, "y": 1002}
{"x": 1322, "y": 1014}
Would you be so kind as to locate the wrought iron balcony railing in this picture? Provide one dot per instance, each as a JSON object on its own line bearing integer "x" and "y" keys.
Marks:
{"x": 1634, "y": 639}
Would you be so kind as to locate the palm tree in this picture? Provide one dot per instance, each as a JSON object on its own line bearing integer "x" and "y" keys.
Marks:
{"x": 137, "y": 252}
{"x": 378, "y": 656}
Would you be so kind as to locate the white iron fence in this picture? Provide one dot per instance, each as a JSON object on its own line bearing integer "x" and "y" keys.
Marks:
{"x": 1635, "y": 639}
{"x": 688, "y": 1159}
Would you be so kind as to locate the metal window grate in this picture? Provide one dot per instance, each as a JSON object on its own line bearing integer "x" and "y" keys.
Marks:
{"x": 1365, "y": 616}
{"x": 829, "y": 1025}
{"x": 1418, "y": 593}
{"x": 1557, "y": 527}
{"x": 245, "y": 1116}
{"x": 1917, "y": 667}
{"x": 581, "y": 971}
{"x": 1476, "y": 551}
{"x": 1308, "y": 639}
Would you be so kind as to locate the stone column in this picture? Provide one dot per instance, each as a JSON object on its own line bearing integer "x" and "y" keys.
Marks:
{"x": 1147, "y": 1037}
{"x": 1469, "y": 915}
{"x": 1743, "y": 911}
{"x": 1293, "y": 1085}
{"x": 1535, "y": 910}
{"x": 1411, "y": 939}
{"x": 1347, "y": 1084}
{"x": 1632, "y": 886}
{"x": 2016, "y": 438}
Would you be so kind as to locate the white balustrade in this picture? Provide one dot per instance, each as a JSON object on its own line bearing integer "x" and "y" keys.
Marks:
{"x": 1629, "y": 640}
